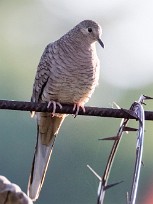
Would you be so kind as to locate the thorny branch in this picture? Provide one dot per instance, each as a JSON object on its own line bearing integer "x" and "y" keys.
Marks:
{"x": 137, "y": 109}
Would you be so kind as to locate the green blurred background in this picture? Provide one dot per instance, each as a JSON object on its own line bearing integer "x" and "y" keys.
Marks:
{"x": 26, "y": 27}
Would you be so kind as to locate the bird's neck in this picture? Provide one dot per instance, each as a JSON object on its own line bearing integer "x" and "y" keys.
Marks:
{"x": 75, "y": 44}
{"x": 76, "y": 41}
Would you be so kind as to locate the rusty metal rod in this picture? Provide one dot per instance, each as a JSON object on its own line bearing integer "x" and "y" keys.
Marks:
{"x": 68, "y": 109}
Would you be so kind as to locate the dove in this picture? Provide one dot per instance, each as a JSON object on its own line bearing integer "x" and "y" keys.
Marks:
{"x": 68, "y": 72}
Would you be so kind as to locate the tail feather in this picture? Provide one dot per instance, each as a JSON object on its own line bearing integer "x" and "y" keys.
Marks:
{"x": 39, "y": 168}
{"x": 47, "y": 130}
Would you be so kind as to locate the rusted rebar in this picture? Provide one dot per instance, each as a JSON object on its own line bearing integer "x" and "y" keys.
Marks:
{"x": 68, "y": 108}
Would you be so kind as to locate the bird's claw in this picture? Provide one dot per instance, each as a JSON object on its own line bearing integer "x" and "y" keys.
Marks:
{"x": 77, "y": 107}
{"x": 55, "y": 104}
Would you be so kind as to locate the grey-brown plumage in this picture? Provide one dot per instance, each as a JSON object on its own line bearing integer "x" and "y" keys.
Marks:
{"x": 68, "y": 72}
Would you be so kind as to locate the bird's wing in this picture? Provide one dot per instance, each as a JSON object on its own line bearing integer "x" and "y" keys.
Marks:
{"x": 42, "y": 75}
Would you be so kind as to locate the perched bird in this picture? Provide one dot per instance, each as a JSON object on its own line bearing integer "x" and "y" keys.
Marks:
{"x": 68, "y": 72}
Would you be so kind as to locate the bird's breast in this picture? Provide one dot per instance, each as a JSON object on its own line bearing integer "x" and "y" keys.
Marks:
{"x": 73, "y": 77}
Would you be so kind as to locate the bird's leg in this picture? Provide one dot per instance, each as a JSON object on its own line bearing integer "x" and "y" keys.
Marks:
{"x": 77, "y": 107}
{"x": 55, "y": 104}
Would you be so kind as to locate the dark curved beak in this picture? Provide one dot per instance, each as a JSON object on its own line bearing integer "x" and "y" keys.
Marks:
{"x": 100, "y": 42}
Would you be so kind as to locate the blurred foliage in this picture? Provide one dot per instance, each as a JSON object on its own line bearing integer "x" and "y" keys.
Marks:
{"x": 25, "y": 29}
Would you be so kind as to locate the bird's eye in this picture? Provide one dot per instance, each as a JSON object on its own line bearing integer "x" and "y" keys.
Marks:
{"x": 89, "y": 30}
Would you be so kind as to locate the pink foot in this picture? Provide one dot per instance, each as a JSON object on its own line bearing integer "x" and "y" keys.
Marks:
{"x": 77, "y": 107}
{"x": 55, "y": 104}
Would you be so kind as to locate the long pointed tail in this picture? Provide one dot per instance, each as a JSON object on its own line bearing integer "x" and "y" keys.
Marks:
{"x": 39, "y": 167}
{"x": 47, "y": 130}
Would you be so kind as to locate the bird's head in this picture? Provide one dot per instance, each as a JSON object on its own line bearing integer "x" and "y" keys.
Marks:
{"x": 91, "y": 31}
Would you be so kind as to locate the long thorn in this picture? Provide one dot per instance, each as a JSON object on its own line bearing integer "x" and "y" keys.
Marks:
{"x": 91, "y": 169}
{"x": 112, "y": 185}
